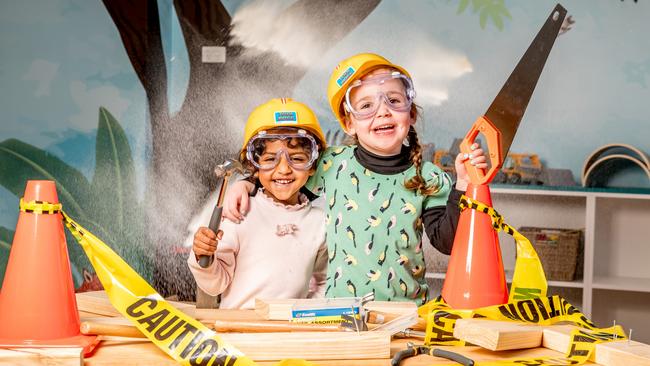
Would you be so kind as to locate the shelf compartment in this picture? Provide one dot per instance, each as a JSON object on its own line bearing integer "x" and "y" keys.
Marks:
{"x": 621, "y": 237}
{"x": 628, "y": 309}
{"x": 622, "y": 283}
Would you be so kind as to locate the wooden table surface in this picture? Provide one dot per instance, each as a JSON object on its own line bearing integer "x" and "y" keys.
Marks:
{"x": 142, "y": 352}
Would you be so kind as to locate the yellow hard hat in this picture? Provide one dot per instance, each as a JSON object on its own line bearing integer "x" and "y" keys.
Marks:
{"x": 282, "y": 112}
{"x": 349, "y": 70}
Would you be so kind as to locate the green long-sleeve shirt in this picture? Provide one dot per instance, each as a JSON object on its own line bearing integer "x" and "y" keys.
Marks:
{"x": 374, "y": 227}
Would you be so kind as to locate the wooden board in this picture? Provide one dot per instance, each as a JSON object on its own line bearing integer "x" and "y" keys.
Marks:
{"x": 617, "y": 353}
{"x": 312, "y": 345}
{"x": 59, "y": 356}
{"x": 97, "y": 303}
{"x": 278, "y": 346}
{"x": 498, "y": 335}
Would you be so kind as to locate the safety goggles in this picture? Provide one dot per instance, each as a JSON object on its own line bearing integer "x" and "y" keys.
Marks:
{"x": 364, "y": 97}
{"x": 298, "y": 147}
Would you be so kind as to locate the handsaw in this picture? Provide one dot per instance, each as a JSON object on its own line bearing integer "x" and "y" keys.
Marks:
{"x": 501, "y": 120}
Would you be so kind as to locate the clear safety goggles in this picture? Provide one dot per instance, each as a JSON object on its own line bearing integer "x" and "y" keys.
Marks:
{"x": 364, "y": 97}
{"x": 298, "y": 147}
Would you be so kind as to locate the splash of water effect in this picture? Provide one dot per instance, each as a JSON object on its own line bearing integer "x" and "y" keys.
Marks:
{"x": 263, "y": 26}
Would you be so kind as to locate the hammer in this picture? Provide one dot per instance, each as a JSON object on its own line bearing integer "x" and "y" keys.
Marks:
{"x": 223, "y": 171}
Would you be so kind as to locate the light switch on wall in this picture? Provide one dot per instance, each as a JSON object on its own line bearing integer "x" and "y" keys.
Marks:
{"x": 213, "y": 54}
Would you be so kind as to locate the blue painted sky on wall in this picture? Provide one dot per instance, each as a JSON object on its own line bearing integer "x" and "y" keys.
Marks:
{"x": 63, "y": 59}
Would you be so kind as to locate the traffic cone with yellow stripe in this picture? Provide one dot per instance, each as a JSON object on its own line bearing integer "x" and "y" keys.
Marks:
{"x": 38, "y": 307}
{"x": 475, "y": 276}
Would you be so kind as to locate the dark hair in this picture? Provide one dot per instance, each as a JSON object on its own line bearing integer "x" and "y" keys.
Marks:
{"x": 417, "y": 182}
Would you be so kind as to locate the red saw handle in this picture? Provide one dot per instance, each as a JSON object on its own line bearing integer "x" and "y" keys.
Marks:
{"x": 493, "y": 141}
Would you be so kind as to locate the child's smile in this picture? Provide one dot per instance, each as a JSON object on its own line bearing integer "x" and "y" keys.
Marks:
{"x": 382, "y": 132}
{"x": 283, "y": 182}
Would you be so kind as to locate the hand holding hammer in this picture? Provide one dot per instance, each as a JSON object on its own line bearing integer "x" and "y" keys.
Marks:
{"x": 204, "y": 240}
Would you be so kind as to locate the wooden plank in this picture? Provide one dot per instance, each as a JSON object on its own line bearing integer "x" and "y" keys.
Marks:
{"x": 498, "y": 335}
{"x": 274, "y": 309}
{"x": 616, "y": 353}
{"x": 59, "y": 356}
{"x": 278, "y": 346}
{"x": 311, "y": 345}
{"x": 96, "y": 302}
{"x": 280, "y": 309}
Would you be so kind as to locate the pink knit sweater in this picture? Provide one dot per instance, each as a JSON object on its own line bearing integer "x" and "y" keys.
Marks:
{"x": 276, "y": 252}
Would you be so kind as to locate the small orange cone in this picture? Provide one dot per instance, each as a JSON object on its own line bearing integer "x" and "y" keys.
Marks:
{"x": 37, "y": 301}
{"x": 475, "y": 276}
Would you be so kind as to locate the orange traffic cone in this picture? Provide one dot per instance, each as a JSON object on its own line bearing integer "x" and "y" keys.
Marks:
{"x": 37, "y": 302}
{"x": 475, "y": 276}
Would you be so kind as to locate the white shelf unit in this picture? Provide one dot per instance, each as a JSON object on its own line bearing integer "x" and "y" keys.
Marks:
{"x": 615, "y": 281}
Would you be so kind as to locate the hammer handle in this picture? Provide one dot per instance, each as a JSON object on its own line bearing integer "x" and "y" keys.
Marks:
{"x": 110, "y": 329}
{"x": 215, "y": 222}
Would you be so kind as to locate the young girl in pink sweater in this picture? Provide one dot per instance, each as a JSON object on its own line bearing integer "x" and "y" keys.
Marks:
{"x": 279, "y": 251}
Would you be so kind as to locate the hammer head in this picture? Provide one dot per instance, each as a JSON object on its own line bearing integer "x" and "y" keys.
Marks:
{"x": 228, "y": 167}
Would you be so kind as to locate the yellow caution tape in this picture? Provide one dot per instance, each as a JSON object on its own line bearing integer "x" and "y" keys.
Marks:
{"x": 190, "y": 342}
{"x": 40, "y": 207}
{"x": 183, "y": 338}
{"x": 528, "y": 280}
{"x": 527, "y": 303}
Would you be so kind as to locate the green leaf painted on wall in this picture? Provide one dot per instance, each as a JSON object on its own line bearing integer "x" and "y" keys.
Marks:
{"x": 113, "y": 187}
{"x": 494, "y": 10}
{"x": 6, "y": 237}
{"x": 20, "y": 162}
{"x": 107, "y": 207}
{"x": 462, "y": 6}
{"x": 114, "y": 176}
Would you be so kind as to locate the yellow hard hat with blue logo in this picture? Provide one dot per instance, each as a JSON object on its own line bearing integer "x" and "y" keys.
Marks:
{"x": 282, "y": 112}
{"x": 349, "y": 70}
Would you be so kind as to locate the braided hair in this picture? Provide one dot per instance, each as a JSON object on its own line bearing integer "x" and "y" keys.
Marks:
{"x": 417, "y": 182}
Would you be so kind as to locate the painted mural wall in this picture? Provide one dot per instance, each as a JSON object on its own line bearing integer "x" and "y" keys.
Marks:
{"x": 116, "y": 103}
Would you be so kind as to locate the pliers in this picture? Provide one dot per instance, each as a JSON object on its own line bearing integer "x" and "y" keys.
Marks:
{"x": 413, "y": 350}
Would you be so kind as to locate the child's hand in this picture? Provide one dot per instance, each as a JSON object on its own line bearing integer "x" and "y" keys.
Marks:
{"x": 235, "y": 203}
{"x": 477, "y": 158}
{"x": 205, "y": 241}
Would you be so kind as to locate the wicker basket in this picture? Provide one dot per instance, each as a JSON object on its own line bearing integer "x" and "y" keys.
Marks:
{"x": 558, "y": 249}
